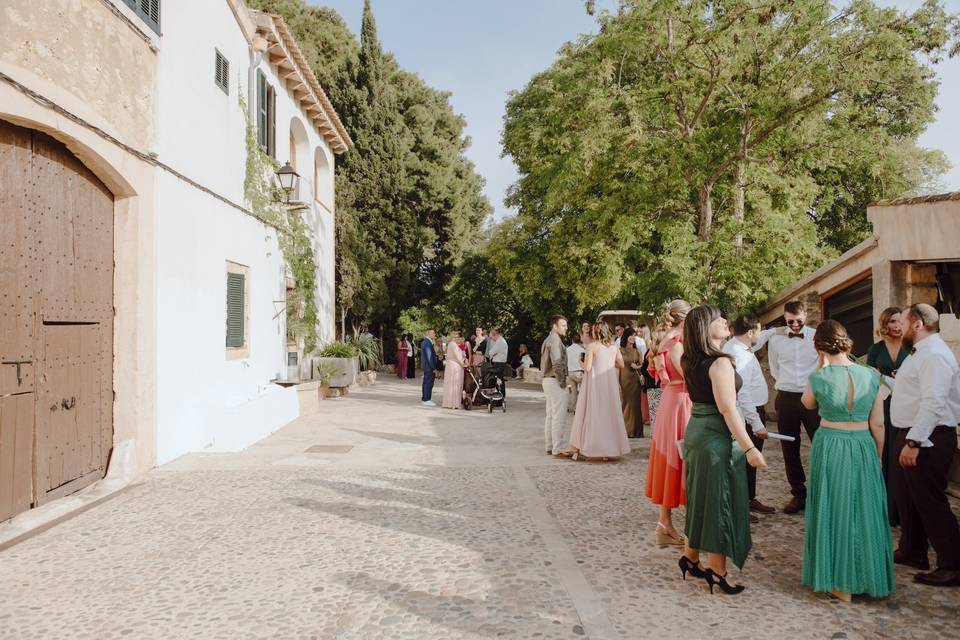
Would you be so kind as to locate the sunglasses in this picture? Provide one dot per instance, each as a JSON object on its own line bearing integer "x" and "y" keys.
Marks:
{"x": 793, "y": 322}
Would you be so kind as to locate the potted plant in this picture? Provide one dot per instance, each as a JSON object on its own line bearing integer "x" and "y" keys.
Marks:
{"x": 343, "y": 357}
{"x": 325, "y": 372}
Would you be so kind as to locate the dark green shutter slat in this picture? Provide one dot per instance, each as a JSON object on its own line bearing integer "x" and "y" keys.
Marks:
{"x": 235, "y": 286}
{"x": 272, "y": 116}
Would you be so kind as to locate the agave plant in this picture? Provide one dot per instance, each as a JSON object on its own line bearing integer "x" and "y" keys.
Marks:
{"x": 325, "y": 372}
{"x": 369, "y": 351}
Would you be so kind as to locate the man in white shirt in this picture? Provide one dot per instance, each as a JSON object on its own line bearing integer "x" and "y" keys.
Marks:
{"x": 925, "y": 410}
{"x": 575, "y": 356}
{"x": 497, "y": 352}
{"x": 792, "y": 359}
{"x": 753, "y": 394}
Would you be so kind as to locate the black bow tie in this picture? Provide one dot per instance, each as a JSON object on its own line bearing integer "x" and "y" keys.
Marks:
{"x": 794, "y": 335}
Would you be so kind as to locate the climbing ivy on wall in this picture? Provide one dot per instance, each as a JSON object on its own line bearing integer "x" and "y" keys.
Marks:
{"x": 267, "y": 203}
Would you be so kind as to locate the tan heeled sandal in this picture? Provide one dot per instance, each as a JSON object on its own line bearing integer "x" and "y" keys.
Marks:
{"x": 665, "y": 539}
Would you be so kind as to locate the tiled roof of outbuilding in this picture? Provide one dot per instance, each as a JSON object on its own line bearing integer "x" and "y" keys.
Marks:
{"x": 940, "y": 197}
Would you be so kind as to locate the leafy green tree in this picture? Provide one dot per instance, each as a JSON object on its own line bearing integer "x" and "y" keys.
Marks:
{"x": 715, "y": 150}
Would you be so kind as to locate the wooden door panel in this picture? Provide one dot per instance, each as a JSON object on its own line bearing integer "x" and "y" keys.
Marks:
{"x": 75, "y": 227}
{"x": 16, "y": 257}
{"x": 16, "y": 454}
{"x": 69, "y": 410}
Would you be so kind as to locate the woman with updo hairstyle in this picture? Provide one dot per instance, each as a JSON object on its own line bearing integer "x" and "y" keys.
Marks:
{"x": 886, "y": 355}
{"x": 664, "y": 467}
{"x": 847, "y": 547}
{"x": 598, "y": 431}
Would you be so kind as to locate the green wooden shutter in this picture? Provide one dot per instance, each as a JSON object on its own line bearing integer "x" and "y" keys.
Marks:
{"x": 148, "y": 10}
{"x": 262, "y": 110}
{"x": 235, "y": 293}
{"x": 272, "y": 124}
{"x": 221, "y": 72}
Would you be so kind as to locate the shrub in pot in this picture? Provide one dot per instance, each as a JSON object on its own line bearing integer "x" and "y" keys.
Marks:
{"x": 343, "y": 357}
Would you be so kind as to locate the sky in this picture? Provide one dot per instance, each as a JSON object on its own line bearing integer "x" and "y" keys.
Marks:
{"x": 480, "y": 50}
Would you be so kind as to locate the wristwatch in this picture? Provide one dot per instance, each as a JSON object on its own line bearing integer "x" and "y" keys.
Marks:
{"x": 913, "y": 444}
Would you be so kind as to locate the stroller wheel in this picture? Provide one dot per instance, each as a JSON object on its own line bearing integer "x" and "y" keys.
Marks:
{"x": 503, "y": 407}
{"x": 490, "y": 407}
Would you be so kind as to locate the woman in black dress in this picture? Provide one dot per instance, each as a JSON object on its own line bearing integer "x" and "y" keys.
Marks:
{"x": 886, "y": 356}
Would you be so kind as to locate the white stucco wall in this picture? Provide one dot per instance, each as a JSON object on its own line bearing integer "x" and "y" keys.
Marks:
{"x": 205, "y": 401}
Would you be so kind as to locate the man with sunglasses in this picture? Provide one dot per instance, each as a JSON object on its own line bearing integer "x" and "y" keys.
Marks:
{"x": 792, "y": 358}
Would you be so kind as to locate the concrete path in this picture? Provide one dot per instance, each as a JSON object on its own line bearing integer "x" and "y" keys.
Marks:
{"x": 379, "y": 518}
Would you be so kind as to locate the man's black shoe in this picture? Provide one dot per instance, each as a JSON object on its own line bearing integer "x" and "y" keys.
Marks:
{"x": 939, "y": 578}
{"x": 795, "y": 506}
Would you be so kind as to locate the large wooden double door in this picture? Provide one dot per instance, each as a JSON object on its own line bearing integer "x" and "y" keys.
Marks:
{"x": 56, "y": 321}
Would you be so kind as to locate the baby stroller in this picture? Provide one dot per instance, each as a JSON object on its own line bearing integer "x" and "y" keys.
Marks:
{"x": 485, "y": 390}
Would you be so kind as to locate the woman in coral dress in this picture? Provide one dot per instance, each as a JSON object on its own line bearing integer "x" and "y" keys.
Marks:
{"x": 598, "y": 430}
{"x": 665, "y": 485}
{"x": 453, "y": 365}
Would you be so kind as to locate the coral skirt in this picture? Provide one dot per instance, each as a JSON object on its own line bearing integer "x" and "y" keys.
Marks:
{"x": 665, "y": 482}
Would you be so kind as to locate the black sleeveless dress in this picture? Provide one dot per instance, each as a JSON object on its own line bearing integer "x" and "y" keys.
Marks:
{"x": 718, "y": 504}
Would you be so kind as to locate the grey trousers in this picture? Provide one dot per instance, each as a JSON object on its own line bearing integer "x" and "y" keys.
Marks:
{"x": 555, "y": 423}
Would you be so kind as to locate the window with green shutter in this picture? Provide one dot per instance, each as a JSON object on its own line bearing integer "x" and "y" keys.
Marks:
{"x": 236, "y": 283}
{"x": 148, "y": 11}
{"x": 221, "y": 72}
{"x": 266, "y": 115}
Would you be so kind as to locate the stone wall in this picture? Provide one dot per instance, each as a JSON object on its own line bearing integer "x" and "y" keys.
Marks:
{"x": 87, "y": 49}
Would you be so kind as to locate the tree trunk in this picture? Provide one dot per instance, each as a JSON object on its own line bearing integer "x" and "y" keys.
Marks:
{"x": 343, "y": 323}
{"x": 739, "y": 202}
{"x": 706, "y": 211}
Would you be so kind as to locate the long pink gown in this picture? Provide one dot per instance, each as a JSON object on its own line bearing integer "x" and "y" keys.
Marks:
{"x": 598, "y": 430}
{"x": 453, "y": 376}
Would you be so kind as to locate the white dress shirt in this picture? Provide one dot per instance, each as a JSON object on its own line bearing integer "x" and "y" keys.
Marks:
{"x": 574, "y": 351}
{"x": 641, "y": 346}
{"x": 792, "y": 360}
{"x": 926, "y": 393}
{"x": 754, "y": 392}
{"x": 497, "y": 349}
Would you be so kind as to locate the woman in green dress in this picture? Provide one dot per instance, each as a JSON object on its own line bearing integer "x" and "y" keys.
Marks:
{"x": 716, "y": 447}
{"x": 847, "y": 547}
{"x": 886, "y": 356}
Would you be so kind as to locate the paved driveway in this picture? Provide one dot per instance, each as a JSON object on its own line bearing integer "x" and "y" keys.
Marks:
{"x": 379, "y": 518}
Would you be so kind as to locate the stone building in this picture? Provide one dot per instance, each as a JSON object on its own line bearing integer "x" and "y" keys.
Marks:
{"x": 143, "y": 302}
{"x": 913, "y": 256}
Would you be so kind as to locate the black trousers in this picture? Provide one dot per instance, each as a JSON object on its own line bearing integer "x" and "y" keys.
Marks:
{"x": 758, "y": 443}
{"x": 790, "y": 415}
{"x": 921, "y": 493}
{"x": 500, "y": 368}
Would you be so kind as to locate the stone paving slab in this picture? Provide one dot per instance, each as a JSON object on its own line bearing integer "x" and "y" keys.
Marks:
{"x": 610, "y": 527}
{"x": 435, "y": 524}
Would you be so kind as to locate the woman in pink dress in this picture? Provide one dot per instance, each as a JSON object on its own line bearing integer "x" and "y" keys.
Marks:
{"x": 403, "y": 352}
{"x": 665, "y": 486}
{"x": 453, "y": 373}
{"x": 598, "y": 430}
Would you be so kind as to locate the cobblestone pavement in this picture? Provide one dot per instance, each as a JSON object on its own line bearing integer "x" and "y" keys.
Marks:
{"x": 434, "y": 524}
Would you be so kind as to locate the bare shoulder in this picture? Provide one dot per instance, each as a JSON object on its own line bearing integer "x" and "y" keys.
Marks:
{"x": 722, "y": 365}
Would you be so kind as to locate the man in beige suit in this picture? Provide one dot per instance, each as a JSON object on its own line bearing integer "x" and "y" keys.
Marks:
{"x": 553, "y": 364}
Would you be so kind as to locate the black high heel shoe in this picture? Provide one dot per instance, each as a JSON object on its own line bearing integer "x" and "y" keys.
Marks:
{"x": 713, "y": 579}
{"x": 693, "y": 568}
